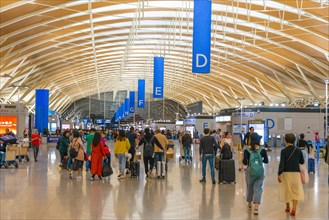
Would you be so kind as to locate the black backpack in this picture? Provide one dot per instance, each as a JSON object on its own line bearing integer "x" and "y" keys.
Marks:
{"x": 148, "y": 149}
{"x": 226, "y": 153}
{"x": 58, "y": 143}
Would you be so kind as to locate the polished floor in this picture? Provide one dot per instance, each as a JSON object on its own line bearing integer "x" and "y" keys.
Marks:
{"x": 42, "y": 191}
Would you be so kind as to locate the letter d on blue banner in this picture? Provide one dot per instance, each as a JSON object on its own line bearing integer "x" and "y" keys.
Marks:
{"x": 132, "y": 102}
{"x": 141, "y": 93}
{"x": 201, "y": 36}
{"x": 158, "y": 77}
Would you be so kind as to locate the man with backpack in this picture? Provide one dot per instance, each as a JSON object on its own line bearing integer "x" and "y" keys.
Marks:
{"x": 208, "y": 149}
{"x": 254, "y": 158}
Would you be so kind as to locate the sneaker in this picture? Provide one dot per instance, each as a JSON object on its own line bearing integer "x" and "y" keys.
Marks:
{"x": 202, "y": 181}
{"x": 213, "y": 181}
{"x": 92, "y": 179}
{"x": 71, "y": 174}
{"x": 256, "y": 211}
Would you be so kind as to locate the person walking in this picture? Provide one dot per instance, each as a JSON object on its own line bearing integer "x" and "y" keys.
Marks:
{"x": 63, "y": 147}
{"x": 254, "y": 158}
{"x": 208, "y": 149}
{"x": 36, "y": 140}
{"x": 302, "y": 145}
{"x": 247, "y": 139}
{"x": 97, "y": 156}
{"x": 148, "y": 151}
{"x": 159, "y": 150}
{"x": 187, "y": 141}
{"x": 89, "y": 139}
{"x": 121, "y": 147}
{"x": 289, "y": 178}
{"x": 79, "y": 159}
{"x": 132, "y": 137}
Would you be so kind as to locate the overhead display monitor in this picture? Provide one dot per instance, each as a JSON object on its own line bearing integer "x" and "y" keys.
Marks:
{"x": 223, "y": 118}
{"x": 179, "y": 122}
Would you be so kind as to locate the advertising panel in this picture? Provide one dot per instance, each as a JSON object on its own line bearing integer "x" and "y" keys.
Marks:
{"x": 8, "y": 122}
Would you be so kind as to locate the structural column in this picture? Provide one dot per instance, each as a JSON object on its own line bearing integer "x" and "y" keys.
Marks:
{"x": 41, "y": 109}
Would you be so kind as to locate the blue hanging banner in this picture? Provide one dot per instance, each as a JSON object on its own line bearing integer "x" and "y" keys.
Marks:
{"x": 132, "y": 102}
{"x": 126, "y": 107}
{"x": 41, "y": 109}
{"x": 201, "y": 36}
{"x": 141, "y": 93}
{"x": 158, "y": 79}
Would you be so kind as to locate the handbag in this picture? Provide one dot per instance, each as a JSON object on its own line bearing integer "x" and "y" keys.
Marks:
{"x": 72, "y": 152}
{"x": 107, "y": 169}
{"x": 85, "y": 156}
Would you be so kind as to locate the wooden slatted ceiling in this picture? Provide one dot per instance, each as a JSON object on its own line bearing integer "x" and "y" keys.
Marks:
{"x": 56, "y": 40}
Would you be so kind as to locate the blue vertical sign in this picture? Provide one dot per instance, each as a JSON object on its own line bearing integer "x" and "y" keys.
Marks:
{"x": 126, "y": 106}
{"x": 158, "y": 79}
{"x": 41, "y": 109}
{"x": 201, "y": 36}
{"x": 141, "y": 93}
{"x": 132, "y": 102}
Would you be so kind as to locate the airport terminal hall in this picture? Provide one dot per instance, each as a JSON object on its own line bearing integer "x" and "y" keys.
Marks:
{"x": 164, "y": 109}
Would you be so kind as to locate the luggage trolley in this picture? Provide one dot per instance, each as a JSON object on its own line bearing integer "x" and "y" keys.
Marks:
{"x": 12, "y": 151}
{"x": 24, "y": 148}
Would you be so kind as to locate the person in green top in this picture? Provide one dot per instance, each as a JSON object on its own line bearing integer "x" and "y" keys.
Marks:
{"x": 89, "y": 140}
{"x": 63, "y": 146}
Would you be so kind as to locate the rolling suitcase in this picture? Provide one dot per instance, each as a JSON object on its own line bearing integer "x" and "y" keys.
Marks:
{"x": 161, "y": 169}
{"x": 311, "y": 163}
{"x": 135, "y": 169}
{"x": 217, "y": 162}
{"x": 226, "y": 171}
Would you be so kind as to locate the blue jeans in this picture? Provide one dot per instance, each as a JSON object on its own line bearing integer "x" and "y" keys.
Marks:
{"x": 209, "y": 158}
{"x": 69, "y": 162}
{"x": 158, "y": 157}
{"x": 187, "y": 153}
{"x": 317, "y": 144}
{"x": 254, "y": 188}
{"x": 2, "y": 157}
{"x": 122, "y": 162}
{"x": 304, "y": 154}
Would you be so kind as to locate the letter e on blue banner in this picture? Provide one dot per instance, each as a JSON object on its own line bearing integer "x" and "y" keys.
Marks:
{"x": 201, "y": 36}
{"x": 141, "y": 93}
{"x": 158, "y": 79}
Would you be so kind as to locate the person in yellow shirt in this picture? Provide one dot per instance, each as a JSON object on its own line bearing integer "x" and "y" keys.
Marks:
{"x": 121, "y": 147}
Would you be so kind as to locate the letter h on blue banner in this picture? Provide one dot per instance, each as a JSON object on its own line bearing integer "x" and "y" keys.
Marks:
{"x": 132, "y": 102}
{"x": 201, "y": 36}
{"x": 141, "y": 93}
{"x": 126, "y": 106}
{"x": 158, "y": 77}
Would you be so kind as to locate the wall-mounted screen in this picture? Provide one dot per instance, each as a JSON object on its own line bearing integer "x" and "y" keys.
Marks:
{"x": 66, "y": 126}
{"x": 179, "y": 122}
{"x": 53, "y": 127}
{"x": 237, "y": 128}
{"x": 99, "y": 121}
{"x": 260, "y": 129}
